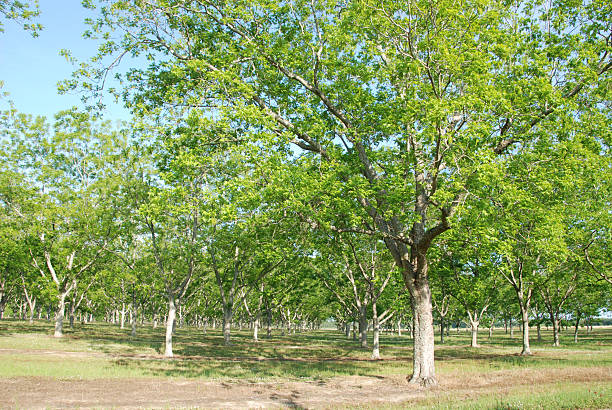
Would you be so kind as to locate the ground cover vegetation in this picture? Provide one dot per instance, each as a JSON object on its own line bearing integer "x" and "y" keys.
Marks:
{"x": 104, "y": 365}
{"x": 385, "y": 165}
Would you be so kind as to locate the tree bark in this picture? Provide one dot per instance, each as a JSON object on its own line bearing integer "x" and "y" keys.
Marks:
{"x": 554, "y": 318}
{"x": 59, "y": 315}
{"x": 32, "y": 307}
{"x": 376, "y": 331}
{"x": 4, "y": 294}
{"x": 72, "y": 309}
{"x": 123, "y": 315}
{"x": 256, "y": 326}
{"x": 269, "y": 324}
{"x": 525, "y": 317}
{"x": 227, "y": 324}
{"x": 170, "y": 325}
{"x": 474, "y": 324}
{"x": 134, "y": 316}
{"x": 363, "y": 327}
{"x": 423, "y": 361}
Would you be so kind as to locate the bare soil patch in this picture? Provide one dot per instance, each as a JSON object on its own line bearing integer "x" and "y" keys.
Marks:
{"x": 38, "y": 392}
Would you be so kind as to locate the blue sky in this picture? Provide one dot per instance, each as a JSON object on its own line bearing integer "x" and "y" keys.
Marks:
{"x": 31, "y": 67}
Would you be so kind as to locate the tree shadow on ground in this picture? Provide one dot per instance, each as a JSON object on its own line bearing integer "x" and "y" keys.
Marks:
{"x": 314, "y": 356}
{"x": 250, "y": 369}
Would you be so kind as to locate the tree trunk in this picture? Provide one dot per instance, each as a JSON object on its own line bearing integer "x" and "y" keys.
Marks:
{"x": 32, "y": 305}
{"x": 376, "y": 331}
{"x": 134, "y": 316}
{"x": 423, "y": 361}
{"x": 525, "y": 316}
{"x": 474, "y": 324}
{"x": 180, "y": 312}
{"x": 442, "y": 329}
{"x": 72, "y": 308}
{"x": 59, "y": 315}
{"x": 588, "y": 323}
{"x": 555, "y": 321}
{"x": 576, "y": 329}
{"x": 170, "y": 325}
{"x": 123, "y": 316}
{"x": 256, "y": 326}
{"x": 269, "y": 329}
{"x": 539, "y": 331}
{"x": 227, "y": 324}
{"x": 399, "y": 327}
{"x": 363, "y": 327}
{"x": 3, "y": 299}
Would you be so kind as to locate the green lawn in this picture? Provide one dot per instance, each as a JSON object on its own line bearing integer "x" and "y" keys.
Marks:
{"x": 104, "y": 351}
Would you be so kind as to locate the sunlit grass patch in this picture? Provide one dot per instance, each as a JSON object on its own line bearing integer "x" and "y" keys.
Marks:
{"x": 549, "y": 396}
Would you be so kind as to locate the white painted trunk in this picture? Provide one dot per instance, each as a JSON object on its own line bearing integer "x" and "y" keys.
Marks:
{"x": 123, "y": 316}
{"x": 376, "y": 332}
{"x": 525, "y": 317}
{"x": 256, "y": 328}
{"x": 474, "y": 324}
{"x": 170, "y": 326}
{"x": 32, "y": 306}
{"x": 59, "y": 315}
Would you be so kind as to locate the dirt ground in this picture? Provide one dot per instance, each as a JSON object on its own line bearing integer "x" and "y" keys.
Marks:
{"x": 37, "y": 392}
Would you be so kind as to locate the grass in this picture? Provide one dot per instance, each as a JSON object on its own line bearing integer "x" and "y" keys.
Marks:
{"x": 103, "y": 351}
{"x": 557, "y": 396}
